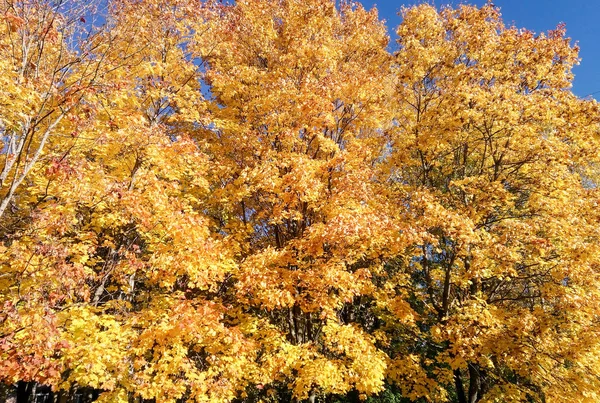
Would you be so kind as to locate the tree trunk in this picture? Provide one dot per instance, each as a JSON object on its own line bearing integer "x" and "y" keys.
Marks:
{"x": 474, "y": 383}
{"x": 24, "y": 391}
{"x": 460, "y": 390}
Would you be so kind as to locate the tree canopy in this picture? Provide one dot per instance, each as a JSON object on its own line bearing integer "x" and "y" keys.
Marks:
{"x": 260, "y": 202}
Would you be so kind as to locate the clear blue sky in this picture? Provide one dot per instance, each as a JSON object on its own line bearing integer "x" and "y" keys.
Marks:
{"x": 581, "y": 16}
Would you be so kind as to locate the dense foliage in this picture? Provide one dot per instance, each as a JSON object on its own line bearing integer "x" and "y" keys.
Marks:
{"x": 257, "y": 201}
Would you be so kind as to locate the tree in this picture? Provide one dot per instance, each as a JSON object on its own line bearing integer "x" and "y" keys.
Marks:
{"x": 299, "y": 99}
{"x": 486, "y": 162}
{"x": 101, "y": 247}
{"x": 47, "y": 70}
{"x": 258, "y": 202}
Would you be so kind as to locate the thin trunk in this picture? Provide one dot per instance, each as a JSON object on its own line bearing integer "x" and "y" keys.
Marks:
{"x": 24, "y": 391}
{"x": 446, "y": 294}
{"x": 136, "y": 166}
{"x": 292, "y": 327}
{"x": 297, "y": 313}
{"x": 460, "y": 390}
{"x": 474, "y": 383}
{"x": 19, "y": 178}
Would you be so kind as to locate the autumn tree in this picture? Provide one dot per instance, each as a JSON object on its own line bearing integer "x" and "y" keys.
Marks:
{"x": 46, "y": 70}
{"x": 106, "y": 229}
{"x": 300, "y": 92}
{"x": 487, "y": 162}
{"x": 204, "y": 201}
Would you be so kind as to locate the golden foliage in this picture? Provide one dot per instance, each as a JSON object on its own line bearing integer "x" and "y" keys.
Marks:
{"x": 257, "y": 201}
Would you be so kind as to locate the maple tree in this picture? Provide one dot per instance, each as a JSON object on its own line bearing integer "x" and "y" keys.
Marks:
{"x": 488, "y": 160}
{"x": 259, "y": 202}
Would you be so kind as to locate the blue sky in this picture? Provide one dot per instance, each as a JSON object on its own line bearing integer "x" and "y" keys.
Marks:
{"x": 581, "y": 16}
